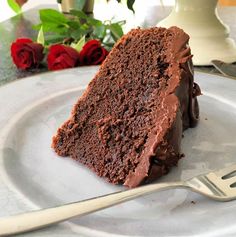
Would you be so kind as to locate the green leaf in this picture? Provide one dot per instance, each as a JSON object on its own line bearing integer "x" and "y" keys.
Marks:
{"x": 79, "y": 14}
{"x": 53, "y": 22}
{"x": 116, "y": 31}
{"x": 52, "y": 39}
{"x": 130, "y": 4}
{"x": 52, "y": 16}
{"x": 40, "y": 38}
{"x": 37, "y": 27}
{"x": 74, "y": 24}
{"x": 79, "y": 4}
{"x": 52, "y": 27}
{"x": 55, "y": 28}
{"x": 80, "y": 44}
{"x": 76, "y": 34}
{"x": 99, "y": 32}
{"x": 94, "y": 22}
{"x": 14, "y": 6}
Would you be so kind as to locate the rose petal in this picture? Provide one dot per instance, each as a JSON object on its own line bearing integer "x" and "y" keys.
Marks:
{"x": 26, "y": 54}
{"x": 23, "y": 40}
{"x": 91, "y": 43}
{"x": 61, "y": 56}
{"x": 92, "y": 53}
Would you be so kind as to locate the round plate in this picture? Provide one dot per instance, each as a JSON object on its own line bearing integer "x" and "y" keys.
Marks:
{"x": 33, "y": 176}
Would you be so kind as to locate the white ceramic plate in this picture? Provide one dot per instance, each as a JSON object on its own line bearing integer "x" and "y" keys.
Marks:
{"x": 33, "y": 176}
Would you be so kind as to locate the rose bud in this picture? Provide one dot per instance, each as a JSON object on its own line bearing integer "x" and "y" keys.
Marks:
{"x": 26, "y": 54}
{"x": 92, "y": 53}
{"x": 61, "y": 57}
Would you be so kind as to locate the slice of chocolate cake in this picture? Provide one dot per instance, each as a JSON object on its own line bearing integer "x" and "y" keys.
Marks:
{"x": 127, "y": 126}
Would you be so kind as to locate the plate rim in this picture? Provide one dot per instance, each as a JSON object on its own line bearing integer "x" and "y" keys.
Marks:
{"x": 54, "y": 95}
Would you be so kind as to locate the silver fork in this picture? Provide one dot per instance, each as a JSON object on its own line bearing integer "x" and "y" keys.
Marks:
{"x": 219, "y": 185}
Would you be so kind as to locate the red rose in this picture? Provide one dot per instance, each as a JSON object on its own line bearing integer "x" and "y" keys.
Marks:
{"x": 61, "y": 56}
{"x": 26, "y": 54}
{"x": 92, "y": 53}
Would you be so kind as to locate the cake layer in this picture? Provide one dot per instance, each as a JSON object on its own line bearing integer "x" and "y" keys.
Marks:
{"x": 127, "y": 126}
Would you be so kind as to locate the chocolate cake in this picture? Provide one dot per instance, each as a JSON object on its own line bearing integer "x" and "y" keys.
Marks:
{"x": 127, "y": 126}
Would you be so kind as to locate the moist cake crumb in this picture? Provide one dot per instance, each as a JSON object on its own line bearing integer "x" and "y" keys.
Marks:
{"x": 127, "y": 127}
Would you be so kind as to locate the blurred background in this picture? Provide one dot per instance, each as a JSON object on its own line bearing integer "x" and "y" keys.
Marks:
{"x": 105, "y": 11}
{"x": 100, "y": 7}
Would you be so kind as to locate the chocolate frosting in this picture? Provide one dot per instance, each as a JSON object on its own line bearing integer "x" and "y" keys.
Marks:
{"x": 161, "y": 151}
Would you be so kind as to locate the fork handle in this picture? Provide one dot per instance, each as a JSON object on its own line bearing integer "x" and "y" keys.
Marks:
{"x": 37, "y": 219}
